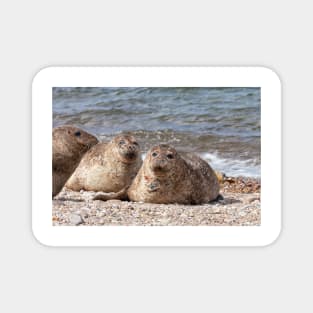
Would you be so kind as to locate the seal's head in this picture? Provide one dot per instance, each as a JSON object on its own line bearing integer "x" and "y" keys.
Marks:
{"x": 74, "y": 139}
{"x": 127, "y": 148}
{"x": 69, "y": 144}
{"x": 162, "y": 159}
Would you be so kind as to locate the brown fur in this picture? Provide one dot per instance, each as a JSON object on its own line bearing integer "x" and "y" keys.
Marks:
{"x": 108, "y": 167}
{"x": 168, "y": 177}
{"x": 69, "y": 144}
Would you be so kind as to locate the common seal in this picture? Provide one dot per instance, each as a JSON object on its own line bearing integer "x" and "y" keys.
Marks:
{"x": 69, "y": 144}
{"x": 169, "y": 177}
{"x": 108, "y": 167}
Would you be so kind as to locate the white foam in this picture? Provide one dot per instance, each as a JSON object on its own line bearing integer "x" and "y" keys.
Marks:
{"x": 233, "y": 167}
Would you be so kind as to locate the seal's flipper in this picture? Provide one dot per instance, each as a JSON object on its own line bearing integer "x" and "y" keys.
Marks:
{"x": 104, "y": 196}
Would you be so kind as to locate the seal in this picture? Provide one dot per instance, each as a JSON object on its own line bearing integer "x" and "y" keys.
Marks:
{"x": 169, "y": 177}
{"x": 108, "y": 167}
{"x": 69, "y": 144}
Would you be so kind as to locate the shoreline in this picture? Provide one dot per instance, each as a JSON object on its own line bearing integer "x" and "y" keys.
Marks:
{"x": 240, "y": 207}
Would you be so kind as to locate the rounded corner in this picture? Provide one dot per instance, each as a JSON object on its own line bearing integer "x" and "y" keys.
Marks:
{"x": 38, "y": 239}
{"x": 41, "y": 73}
{"x": 273, "y": 74}
{"x": 274, "y": 238}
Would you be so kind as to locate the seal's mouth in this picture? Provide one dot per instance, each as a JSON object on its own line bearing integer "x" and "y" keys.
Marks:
{"x": 130, "y": 155}
{"x": 159, "y": 170}
{"x": 90, "y": 145}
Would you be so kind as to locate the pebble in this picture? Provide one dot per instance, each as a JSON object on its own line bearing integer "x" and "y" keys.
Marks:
{"x": 250, "y": 200}
{"x": 93, "y": 211}
{"x": 75, "y": 219}
{"x": 114, "y": 202}
{"x": 84, "y": 213}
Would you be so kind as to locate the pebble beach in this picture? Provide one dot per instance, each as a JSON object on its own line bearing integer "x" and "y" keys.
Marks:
{"x": 240, "y": 206}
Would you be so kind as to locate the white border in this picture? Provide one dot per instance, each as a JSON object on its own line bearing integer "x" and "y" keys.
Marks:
{"x": 262, "y": 77}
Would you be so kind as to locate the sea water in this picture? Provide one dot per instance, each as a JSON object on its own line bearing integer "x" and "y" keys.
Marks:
{"x": 223, "y": 125}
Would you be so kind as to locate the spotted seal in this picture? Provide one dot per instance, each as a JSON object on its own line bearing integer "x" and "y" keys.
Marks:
{"x": 69, "y": 143}
{"x": 108, "y": 167}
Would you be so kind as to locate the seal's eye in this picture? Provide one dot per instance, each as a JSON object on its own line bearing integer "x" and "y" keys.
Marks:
{"x": 77, "y": 134}
{"x": 135, "y": 143}
{"x": 122, "y": 142}
{"x": 154, "y": 154}
{"x": 170, "y": 156}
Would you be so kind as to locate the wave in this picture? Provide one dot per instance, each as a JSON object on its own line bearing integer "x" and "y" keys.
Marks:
{"x": 233, "y": 167}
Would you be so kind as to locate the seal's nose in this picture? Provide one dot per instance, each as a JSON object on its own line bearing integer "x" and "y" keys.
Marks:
{"x": 131, "y": 148}
{"x": 159, "y": 164}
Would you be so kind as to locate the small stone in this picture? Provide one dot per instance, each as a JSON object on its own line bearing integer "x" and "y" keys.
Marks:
{"x": 75, "y": 219}
{"x": 114, "y": 202}
{"x": 93, "y": 212}
{"x": 252, "y": 199}
{"x": 84, "y": 217}
{"x": 84, "y": 213}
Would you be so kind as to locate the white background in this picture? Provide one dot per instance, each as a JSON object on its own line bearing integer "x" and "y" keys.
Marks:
{"x": 35, "y": 278}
